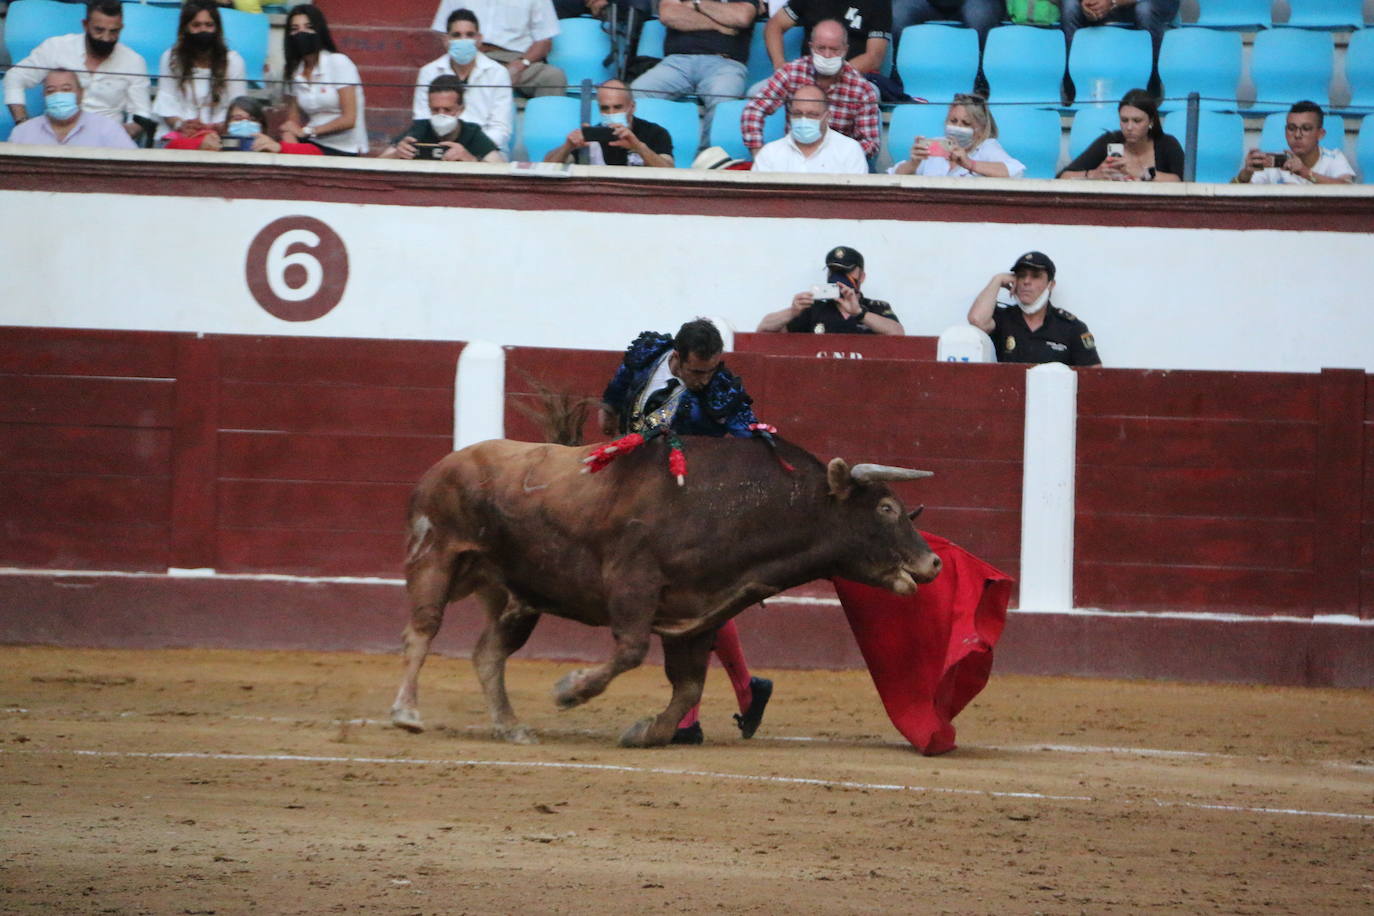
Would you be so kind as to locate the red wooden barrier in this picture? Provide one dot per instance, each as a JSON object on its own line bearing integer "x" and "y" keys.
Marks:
{"x": 838, "y": 346}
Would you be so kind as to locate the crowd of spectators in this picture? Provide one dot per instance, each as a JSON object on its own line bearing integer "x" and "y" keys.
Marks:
{"x": 463, "y": 100}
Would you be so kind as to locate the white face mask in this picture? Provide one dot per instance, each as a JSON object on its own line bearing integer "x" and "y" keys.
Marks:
{"x": 827, "y": 66}
{"x": 959, "y": 135}
{"x": 1039, "y": 302}
{"x": 443, "y": 124}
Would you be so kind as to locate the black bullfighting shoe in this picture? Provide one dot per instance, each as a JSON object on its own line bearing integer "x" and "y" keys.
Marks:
{"x": 692, "y": 734}
{"x": 748, "y": 721}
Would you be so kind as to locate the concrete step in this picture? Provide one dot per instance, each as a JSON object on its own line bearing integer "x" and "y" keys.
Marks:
{"x": 388, "y": 46}
{"x": 414, "y": 13}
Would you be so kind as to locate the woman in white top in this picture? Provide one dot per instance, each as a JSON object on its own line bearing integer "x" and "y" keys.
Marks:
{"x": 198, "y": 75}
{"x": 969, "y": 148}
{"x": 325, "y": 101}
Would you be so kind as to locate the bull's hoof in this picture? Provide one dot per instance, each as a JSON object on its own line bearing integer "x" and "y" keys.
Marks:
{"x": 637, "y": 735}
{"x": 407, "y": 718}
{"x": 567, "y": 693}
{"x": 517, "y": 734}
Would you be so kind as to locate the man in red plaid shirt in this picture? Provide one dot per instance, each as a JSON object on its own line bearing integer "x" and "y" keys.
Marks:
{"x": 853, "y": 100}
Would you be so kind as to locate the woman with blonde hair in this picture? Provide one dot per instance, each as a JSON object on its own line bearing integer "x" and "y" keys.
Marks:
{"x": 969, "y": 148}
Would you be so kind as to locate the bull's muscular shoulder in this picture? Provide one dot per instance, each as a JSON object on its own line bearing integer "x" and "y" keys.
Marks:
{"x": 645, "y": 349}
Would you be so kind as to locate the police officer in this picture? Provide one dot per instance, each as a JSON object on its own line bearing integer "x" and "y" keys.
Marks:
{"x": 850, "y": 313}
{"x": 1031, "y": 329}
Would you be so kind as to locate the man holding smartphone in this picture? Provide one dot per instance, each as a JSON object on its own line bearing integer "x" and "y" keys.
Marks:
{"x": 837, "y": 306}
{"x": 1306, "y": 161}
{"x": 621, "y": 138}
{"x": 444, "y": 135}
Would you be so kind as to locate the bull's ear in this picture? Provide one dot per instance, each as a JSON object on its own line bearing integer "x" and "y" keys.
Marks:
{"x": 837, "y": 475}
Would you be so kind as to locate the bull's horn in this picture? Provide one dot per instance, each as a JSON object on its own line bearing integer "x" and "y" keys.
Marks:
{"x": 868, "y": 473}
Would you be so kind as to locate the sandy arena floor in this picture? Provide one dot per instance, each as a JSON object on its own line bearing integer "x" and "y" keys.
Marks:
{"x": 240, "y": 782}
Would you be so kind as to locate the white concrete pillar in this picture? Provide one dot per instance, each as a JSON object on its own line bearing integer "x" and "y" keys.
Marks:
{"x": 479, "y": 394}
{"x": 1047, "y": 488}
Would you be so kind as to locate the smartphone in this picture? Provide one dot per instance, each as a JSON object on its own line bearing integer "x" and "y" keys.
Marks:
{"x": 1276, "y": 160}
{"x": 598, "y": 134}
{"x": 1116, "y": 149}
{"x": 936, "y": 148}
{"x": 429, "y": 151}
{"x": 236, "y": 144}
{"x": 825, "y": 292}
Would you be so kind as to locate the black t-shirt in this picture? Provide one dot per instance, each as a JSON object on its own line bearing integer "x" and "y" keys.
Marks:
{"x": 1168, "y": 154}
{"x": 826, "y": 316}
{"x": 709, "y": 41}
{"x": 469, "y": 134}
{"x": 652, "y": 136}
{"x": 1063, "y": 338}
{"x": 864, "y": 19}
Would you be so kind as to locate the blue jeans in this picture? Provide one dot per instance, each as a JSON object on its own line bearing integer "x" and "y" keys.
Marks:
{"x": 1154, "y": 16}
{"x": 980, "y": 15}
{"x": 713, "y": 78}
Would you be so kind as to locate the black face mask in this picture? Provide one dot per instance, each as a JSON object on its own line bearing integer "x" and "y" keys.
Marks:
{"x": 199, "y": 41}
{"x": 99, "y": 47}
{"x": 304, "y": 43}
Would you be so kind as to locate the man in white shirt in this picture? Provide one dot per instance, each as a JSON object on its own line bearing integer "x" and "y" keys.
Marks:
{"x": 64, "y": 123}
{"x": 1306, "y": 161}
{"x": 487, "y": 94}
{"x": 518, "y": 34}
{"x": 810, "y": 145}
{"x": 114, "y": 77}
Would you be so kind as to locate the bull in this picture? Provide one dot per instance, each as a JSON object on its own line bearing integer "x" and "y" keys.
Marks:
{"x": 518, "y": 525}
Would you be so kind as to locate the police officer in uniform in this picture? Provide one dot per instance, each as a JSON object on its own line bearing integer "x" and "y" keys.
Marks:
{"x": 1031, "y": 329}
{"x": 851, "y": 313}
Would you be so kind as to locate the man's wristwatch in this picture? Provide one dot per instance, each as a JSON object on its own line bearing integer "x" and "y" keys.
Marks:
{"x": 860, "y": 316}
{"x": 525, "y": 61}
{"x": 308, "y": 133}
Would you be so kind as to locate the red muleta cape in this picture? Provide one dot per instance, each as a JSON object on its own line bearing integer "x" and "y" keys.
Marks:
{"x": 930, "y": 653}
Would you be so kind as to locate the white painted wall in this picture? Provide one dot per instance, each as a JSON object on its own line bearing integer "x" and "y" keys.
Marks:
{"x": 1164, "y": 298}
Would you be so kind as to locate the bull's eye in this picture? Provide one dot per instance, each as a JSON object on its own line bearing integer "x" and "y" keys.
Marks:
{"x": 887, "y": 508}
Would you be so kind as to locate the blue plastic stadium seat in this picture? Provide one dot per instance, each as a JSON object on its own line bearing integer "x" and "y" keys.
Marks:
{"x": 246, "y": 33}
{"x": 1121, "y": 57}
{"x": 680, "y": 120}
{"x": 1359, "y": 70}
{"x": 1204, "y": 61}
{"x": 150, "y": 30}
{"x": 1030, "y": 135}
{"x": 1089, "y": 123}
{"x": 1245, "y": 15}
{"x": 936, "y": 61}
{"x": 6, "y": 123}
{"x": 651, "y": 39}
{"x": 581, "y": 49}
{"x": 1274, "y": 137}
{"x": 1288, "y": 65}
{"x": 31, "y": 22}
{"x": 547, "y": 122}
{"x": 912, "y": 121}
{"x": 1364, "y": 151}
{"x": 1332, "y": 15}
{"x": 725, "y": 128}
{"x": 1025, "y": 64}
{"x": 760, "y": 67}
{"x": 1220, "y": 142}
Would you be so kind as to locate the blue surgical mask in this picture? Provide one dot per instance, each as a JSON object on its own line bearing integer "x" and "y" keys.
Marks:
{"x": 244, "y": 129}
{"x": 619, "y": 118}
{"x": 806, "y": 130}
{"x": 61, "y": 105}
{"x": 462, "y": 50}
{"x": 959, "y": 135}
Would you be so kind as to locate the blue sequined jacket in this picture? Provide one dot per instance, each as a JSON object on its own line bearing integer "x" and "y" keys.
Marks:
{"x": 722, "y": 407}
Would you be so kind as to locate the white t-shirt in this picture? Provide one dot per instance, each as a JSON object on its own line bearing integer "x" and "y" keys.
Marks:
{"x": 987, "y": 151}
{"x": 510, "y": 24}
{"x": 1330, "y": 164}
{"x": 487, "y": 100}
{"x": 837, "y": 155}
{"x": 318, "y": 99}
{"x": 119, "y": 86}
{"x": 196, "y": 99}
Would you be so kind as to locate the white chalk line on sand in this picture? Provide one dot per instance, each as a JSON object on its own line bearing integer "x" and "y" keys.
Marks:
{"x": 673, "y": 771}
{"x": 1086, "y": 749}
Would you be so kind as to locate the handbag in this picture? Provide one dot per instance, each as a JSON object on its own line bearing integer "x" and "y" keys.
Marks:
{"x": 1033, "y": 12}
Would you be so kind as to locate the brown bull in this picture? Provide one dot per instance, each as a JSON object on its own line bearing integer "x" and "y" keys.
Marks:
{"x": 520, "y": 525}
